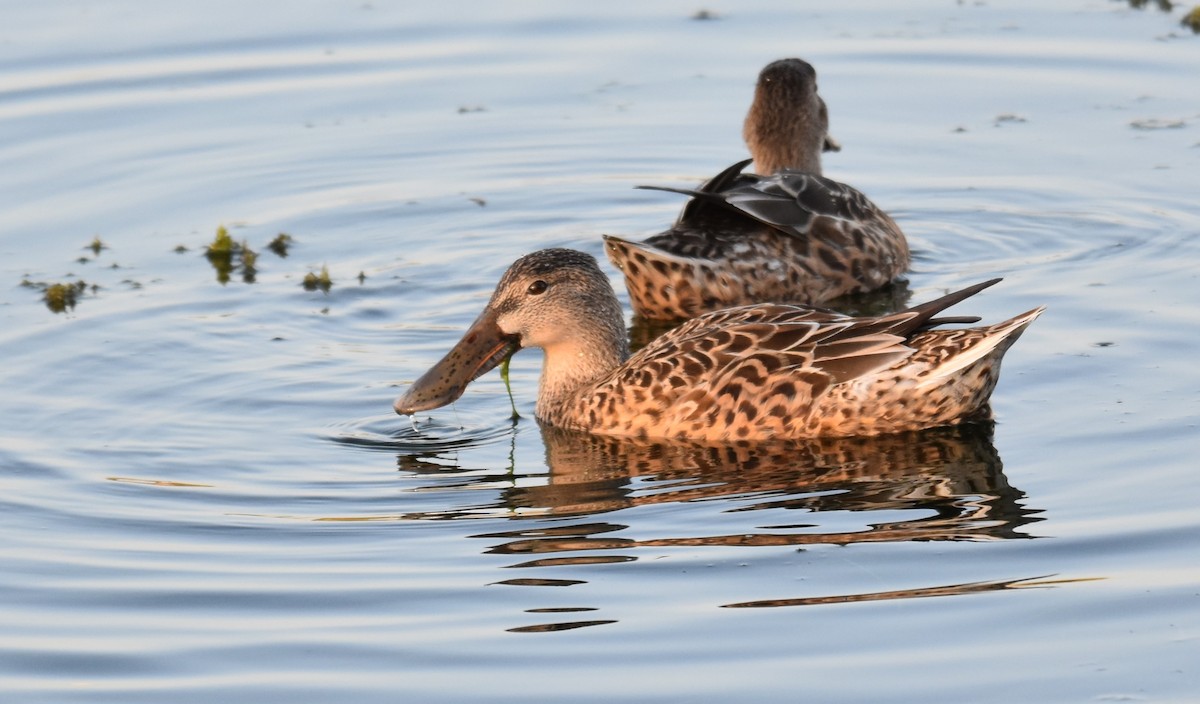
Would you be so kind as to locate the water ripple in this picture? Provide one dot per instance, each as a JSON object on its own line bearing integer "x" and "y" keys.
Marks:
{"x": 409, "y": 435}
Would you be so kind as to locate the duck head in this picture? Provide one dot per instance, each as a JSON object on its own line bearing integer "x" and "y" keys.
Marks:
{"x": 555, "y": 299}
{"x": 788, "y": 124}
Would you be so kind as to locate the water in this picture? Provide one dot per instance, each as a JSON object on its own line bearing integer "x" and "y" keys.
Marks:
{"x": 207, "y": 498}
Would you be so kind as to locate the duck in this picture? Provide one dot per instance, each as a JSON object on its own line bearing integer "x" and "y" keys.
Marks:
{"x": 748, "y": 373}
{"x": 786, "y": 234}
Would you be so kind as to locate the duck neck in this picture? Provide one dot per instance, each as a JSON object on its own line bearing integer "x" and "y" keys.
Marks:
{"x": 770, "y": 160}
{"x": 573, "y": 364}
{"x": 780, "y": 139}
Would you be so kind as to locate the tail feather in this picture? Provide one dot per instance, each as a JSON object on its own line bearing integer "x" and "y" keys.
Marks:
{"x": 713, "y": 185}
{"x": 925, "y": 311}
{"x": 620, "y": 249}
{"x": 996, "y": 340}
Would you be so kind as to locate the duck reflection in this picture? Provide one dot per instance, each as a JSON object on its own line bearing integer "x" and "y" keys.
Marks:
{"x": 940, "y": 484}
{"x": 950, "y": 478}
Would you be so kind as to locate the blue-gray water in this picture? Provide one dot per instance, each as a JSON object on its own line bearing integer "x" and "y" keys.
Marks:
{"x": 206, "y": 497}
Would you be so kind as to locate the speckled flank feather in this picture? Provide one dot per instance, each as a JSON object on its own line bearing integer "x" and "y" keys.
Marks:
{"x": 791, "y": 236}
{"x": 747, "y": 373}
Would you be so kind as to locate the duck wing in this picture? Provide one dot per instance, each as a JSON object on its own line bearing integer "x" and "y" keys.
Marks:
{"x": 775, "y": 342}
{"x": 788, "y": 201}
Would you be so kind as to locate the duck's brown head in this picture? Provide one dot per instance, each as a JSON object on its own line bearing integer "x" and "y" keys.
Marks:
{"x": 787, "y": 126}
{"x": 555, "y": 299}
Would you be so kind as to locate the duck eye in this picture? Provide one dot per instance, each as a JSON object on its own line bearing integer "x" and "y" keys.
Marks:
{"x": 537, "y": 288}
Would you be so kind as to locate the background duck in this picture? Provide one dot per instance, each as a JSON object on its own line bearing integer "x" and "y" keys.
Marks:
{"x": 789, "y": 236}
{"x": 787, "y": 126}
{"x": 747, "y": 373}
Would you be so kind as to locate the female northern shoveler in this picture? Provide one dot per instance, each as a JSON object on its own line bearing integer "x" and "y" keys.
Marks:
{"x": 790, "y": 236}
{"x": 748, "y": 373}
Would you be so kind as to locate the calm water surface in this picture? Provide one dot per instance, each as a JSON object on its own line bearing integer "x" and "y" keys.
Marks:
{"x": 206, "y": 496}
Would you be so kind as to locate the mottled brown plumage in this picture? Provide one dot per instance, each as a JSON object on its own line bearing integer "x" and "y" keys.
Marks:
{"x": 747, "y": 373}
{"x": 787, "y": 126}
{"x": 790, "y": 236}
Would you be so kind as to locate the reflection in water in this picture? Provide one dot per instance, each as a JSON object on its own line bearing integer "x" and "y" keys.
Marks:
{"x": 535, "y": 582}
{"x": 919, "y": 593}
{"x": 1163, "y": 5}
{"x": 889, "y": 299}
{"x": 945, "y": 590}
{"x": 947, "y": 483}
{"x": 952, "y": 473}
{"x": 563, "y": 626}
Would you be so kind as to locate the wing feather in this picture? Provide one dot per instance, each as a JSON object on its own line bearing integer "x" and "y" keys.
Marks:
{"x": 788, "y": 201}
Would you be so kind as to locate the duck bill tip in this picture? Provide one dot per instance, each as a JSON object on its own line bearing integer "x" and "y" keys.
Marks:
{"x": 479, "y": 351}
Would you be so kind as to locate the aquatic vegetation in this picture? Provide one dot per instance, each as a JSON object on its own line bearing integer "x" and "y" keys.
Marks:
{"x": 97, "y": 245}
{"x": 1163, "y": 5}
{"x": 222, "y": 244}
{"x": 313, "y": 282}
{"x": 220, "y": 254}
{"x": 1192, "y": 19}
{"x": 508, "y": 384}
{"x": 227, "y": 255}
{"x": 60, "y": 297}
{"x": 280, "y": 244}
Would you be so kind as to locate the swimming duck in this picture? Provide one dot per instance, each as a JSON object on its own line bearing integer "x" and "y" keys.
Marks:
{"x": 748, "y": 373}
{"x": 789, "y": 236}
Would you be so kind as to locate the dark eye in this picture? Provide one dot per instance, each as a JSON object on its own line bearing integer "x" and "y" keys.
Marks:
{"x": 537, "y": 288}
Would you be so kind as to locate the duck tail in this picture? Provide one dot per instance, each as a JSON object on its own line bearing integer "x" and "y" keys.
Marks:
{"x": 623, "y": 253}
{"x": 661, "y": 285}
{"x": 922, "y": 315}
{"x": 708, "y": 201}
{"x": 993, "y": 341}
{"x": 1007, "y": 332}
{"x": 714, "y": 185}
